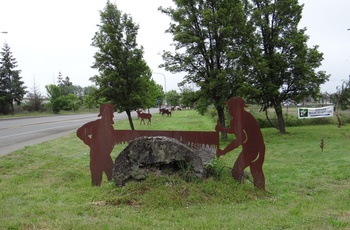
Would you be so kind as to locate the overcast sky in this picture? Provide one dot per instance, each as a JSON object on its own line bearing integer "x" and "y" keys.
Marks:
{"x": 51, "y": 36}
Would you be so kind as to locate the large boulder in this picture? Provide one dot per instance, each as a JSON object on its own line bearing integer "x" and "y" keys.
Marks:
{"x": 160, "y": 154}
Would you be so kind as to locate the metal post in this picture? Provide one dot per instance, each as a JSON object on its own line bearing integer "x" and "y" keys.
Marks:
{"x": 164, "y": 85}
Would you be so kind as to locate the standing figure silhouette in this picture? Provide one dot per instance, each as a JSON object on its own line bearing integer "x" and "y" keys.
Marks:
{"x": 248, "y": 134}
{"x": 98, "y": 135}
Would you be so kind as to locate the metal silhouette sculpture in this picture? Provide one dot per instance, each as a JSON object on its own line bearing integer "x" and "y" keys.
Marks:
{"x": 167, "y": 112}
{"x": 248, "y": 134}
{"x": 99, "y": 136}
{"x": 144, "y": 116}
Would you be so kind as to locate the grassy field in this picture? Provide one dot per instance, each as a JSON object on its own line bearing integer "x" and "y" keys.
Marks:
{"x": 48, "y": 186}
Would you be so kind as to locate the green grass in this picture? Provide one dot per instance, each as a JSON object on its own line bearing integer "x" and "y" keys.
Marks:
{"x": 48, "y": 186}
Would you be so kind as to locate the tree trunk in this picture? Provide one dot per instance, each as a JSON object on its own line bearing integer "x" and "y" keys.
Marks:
{"x": 340, "y": 123}
{"x": 12, "y": 107}
{"x": 268, "y": 119}
{"x": 128, "y": 112}
{"x": 280, "y": 119}
{"x": 221, "y": 121}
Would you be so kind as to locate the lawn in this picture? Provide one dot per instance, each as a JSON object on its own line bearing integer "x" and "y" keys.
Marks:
{"x": 48, "y": 186}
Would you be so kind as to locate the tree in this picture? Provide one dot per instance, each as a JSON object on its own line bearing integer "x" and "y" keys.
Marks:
{"x": 12, "y": 89}
{"x": 35, "y": 102}
{"x": 72, "y": 102}
{"x": 173, "y": 98}
{"x": 54, "y": 95}
{"x": 209, "y": 39}
{"x": 283, "y": 65}
{"x": 119, "y": 61}
{"x": 90, "y": 97}
{"x": 154, "y": 93}
{"x": 65, "y": 85}
{"x": 342, "y": 100}
{"x": 188, "y": 97}
{"x": 89, "y": 101}
{"x": 342, "y": 96}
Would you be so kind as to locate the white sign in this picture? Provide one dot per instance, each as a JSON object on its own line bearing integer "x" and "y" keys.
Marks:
{"x": 315, "y": 112}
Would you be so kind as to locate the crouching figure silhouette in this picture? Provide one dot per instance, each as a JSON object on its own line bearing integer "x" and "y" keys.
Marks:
{"x": 248, "y": 134}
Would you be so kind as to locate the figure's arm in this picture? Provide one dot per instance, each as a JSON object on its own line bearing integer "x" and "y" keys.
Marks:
{"x": 240, "y": 138}
{"x": 84, "y": 133}
{"x": 219, "y": 128}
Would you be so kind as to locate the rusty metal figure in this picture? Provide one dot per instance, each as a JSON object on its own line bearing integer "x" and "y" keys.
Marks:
{"x": 144, "y": 116}
{"x": 99, "y": 136}
{"x": 167, "y": 112}
{"x": 248, "y": 134}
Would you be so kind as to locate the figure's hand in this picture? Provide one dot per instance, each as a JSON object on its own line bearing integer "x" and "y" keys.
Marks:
{"x": 218, "y": 127}
{"x": 87, "y": 141}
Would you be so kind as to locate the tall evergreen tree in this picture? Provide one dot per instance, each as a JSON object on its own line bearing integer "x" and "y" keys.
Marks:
{"x": 209, "y": 37}
{"x": 284, "y": 66}
{"x": 12, "y": 89}
{"x": 119, "y": 60}
{"x": 65, "y": 85}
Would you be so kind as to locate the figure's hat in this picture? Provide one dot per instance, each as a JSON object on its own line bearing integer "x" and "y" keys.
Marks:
{"x": 234, "y": 101}
{"x": 106, "y": 108}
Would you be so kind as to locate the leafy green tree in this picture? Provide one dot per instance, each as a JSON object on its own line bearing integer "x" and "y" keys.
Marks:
{"x": 173, "y": 97}
{"x": 90, "y": 98}
{"x": 119, "y": 61}
{"x": 283, "y": 65}
{"x": 54, "y": 95}
{"x": 89, "y": 101}
{"x": 209, "y": 38}
{"x": 12, "y": 89}
{"x": 158, "y": 95}
{"x": 188, "y": 97}
{"x": 72, "y": 102}
{"x": 154, "y": 92}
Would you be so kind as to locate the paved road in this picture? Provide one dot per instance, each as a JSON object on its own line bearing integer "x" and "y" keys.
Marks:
{"x": 20, "y": 132}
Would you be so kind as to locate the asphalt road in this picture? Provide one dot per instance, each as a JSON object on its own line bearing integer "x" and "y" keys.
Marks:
{"x": 18, "y": 133}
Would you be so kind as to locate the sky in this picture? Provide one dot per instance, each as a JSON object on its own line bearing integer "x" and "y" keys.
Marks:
{"x": 50, "y": 36}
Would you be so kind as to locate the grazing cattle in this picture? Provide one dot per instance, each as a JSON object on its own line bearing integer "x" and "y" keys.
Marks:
{"x": 144, "y": 116}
